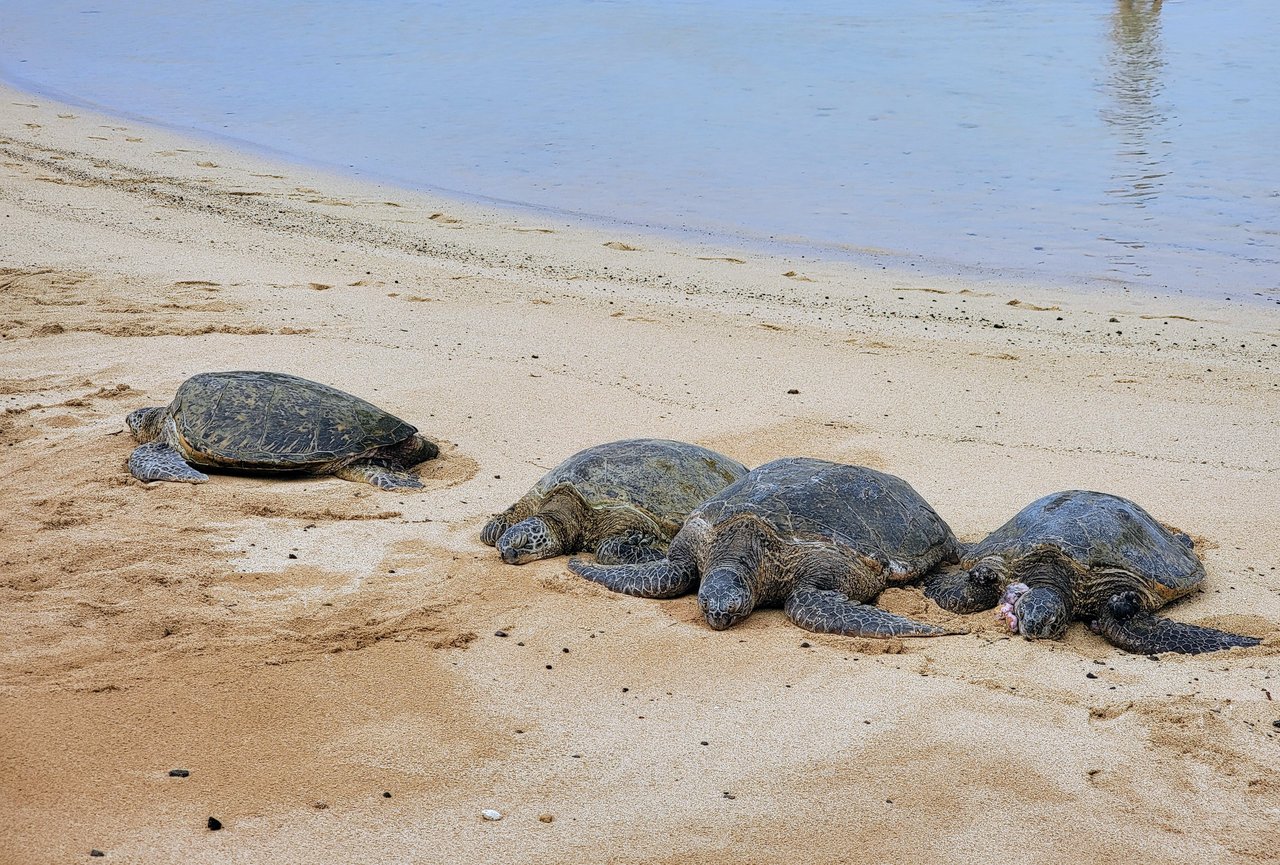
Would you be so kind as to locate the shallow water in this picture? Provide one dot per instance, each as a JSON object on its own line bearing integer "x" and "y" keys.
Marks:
{"x": 1132, "y": 140}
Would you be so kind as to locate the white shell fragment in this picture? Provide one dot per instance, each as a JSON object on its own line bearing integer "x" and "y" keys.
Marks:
{"x": 490, "y": 814}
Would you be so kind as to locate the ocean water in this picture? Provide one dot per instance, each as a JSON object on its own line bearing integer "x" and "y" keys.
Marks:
{"x": 1083, "y": 140}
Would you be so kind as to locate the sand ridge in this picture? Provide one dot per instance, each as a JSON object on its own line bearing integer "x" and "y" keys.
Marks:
{"x": 304, "y": 646}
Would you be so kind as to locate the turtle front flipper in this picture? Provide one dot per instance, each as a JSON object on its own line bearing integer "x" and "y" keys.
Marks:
{"x": 495, "y": 528}
{"x": 630, "y": 549}
{"x": 379, "y": 474}
{"x": 828, "y": 612}
{"x": 663, "y": 578}
{"x": 156, "y": 461}
{"x": 1128, "y": 627}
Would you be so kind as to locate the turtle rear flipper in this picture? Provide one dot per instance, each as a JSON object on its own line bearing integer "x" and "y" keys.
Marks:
{"x": 658, "y": 579}
{"x": 156, "y": 461}
{"x": 828, "y": 612}
{"x": 1148, "y": 634}
{"x": 381, "y": 475}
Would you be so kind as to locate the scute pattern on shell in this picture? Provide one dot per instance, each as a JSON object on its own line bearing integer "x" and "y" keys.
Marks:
{"x": 253, "y": 419}
{"x": 1098, "y": 532}
{"x": 666, "y": 479}
{"x": 813, "y": 500}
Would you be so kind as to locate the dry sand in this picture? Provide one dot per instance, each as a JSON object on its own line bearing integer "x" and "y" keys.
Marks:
{"x": 322, "y": 656}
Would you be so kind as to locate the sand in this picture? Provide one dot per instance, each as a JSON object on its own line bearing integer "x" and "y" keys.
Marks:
{"x": 323, "y": 657}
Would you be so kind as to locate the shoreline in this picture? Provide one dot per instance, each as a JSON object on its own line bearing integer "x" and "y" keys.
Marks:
{"x": 904, "y": 263}
{"x": 305, "y": 646}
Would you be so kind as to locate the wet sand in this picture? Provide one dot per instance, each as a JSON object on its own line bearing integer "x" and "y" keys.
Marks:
{"x": 306, "y": 647}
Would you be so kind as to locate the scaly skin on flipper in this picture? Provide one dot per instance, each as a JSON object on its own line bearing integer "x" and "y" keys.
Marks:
{"x": 156, "y": 461}
{"x": 829, "y": 612}
{"x": 623, "y": 500}
{"x": 632, "y": 549}
{"x": 817, "y": 538}
{"x": 1127, "y": 626}
{"x": 1087, "y": 555}
{"x": 274, "y": 422}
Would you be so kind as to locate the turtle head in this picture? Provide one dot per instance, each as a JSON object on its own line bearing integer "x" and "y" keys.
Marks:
{"x": 1039, "y": 613}
{"x": 965, "y": 591}
{"x": 725, "y": 598}
{"x": 145, "y": 423}
{"x": 530, "y": 540}
{"x": 418, "y": 449}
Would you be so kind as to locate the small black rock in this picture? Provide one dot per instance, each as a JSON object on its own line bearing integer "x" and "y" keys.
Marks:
{"x": 1276, "y": 722}
{"x": 96, "y": 853}
{"x": 499, "y": 633}
{"x": 386, "y": 794}
{"x": 178, "y": 773}
{"x": 214, "y": 824}
{"x": 1091, "y": 675}
{"x": 793, "y": 391}
{"x": 293, "y": 555}
{"x": 804, "y": 645}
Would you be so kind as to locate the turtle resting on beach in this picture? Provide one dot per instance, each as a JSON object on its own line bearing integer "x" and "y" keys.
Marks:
{"x": 273, "y": 422}
{"x": 818, "y": 538}
{"x": 1084, "y": 555}
{"x": 623, "y": 501}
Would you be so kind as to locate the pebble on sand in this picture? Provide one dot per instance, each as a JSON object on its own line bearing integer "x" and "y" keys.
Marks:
{"x": 490, "y": 814}
{"x": 214, "y": 824}
{"x": 546, "y": 818}
{"x": 178, "y": 773}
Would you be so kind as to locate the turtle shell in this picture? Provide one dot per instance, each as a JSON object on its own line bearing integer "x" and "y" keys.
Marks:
{"x": 1096, "y": 531}
{"x": 805, "y": 500}
{"x": 665, "y": 479}
{"x": 271, "y": 420}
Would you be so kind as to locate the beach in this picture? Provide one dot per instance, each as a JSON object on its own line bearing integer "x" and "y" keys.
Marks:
{"x": 324, "y": 658}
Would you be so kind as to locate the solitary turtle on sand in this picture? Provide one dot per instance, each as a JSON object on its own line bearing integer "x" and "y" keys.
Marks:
{"x": 273, "y": 422}
{"x": 1085, "y": 555}
{"x": 818, "y": 538}
{"x": 623, "y": 501}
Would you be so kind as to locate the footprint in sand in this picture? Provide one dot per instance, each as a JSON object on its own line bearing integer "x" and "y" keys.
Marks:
{"x": 1168, "y": 317}
{"x": 791, "y": 274}
{"x": 623, "y": 247}
{"x": 443, "y": 219}
{"x": 206, "y": 165}
{"x": 720, "y": 258}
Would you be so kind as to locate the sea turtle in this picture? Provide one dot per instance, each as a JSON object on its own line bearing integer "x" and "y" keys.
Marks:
{"x": 273, "y": 422}
{"x": 1085, "y": 555}
{"x": 623, "y": 501}
{"x": 819, "y": 538}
